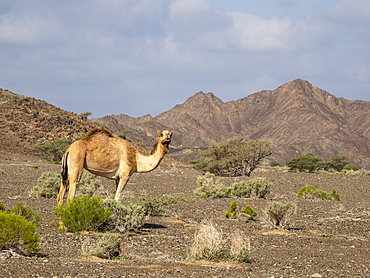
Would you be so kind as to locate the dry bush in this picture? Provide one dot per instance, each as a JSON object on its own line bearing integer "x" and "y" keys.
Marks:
{"x": 279, "y": 214}
{"x": 240, "y": 246}
{"x": 208, "y": 243}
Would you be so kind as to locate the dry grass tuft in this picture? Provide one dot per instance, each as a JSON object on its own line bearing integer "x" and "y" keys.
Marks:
{"x": 240, "y": 246}
{"x": 208, "y": 243}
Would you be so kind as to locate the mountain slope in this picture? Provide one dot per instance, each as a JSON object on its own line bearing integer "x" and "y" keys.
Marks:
{"x": 27, "y": 122}
{"x": 297, "y": 117}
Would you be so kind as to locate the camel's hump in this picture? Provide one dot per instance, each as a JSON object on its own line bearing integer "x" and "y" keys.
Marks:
{"x": 96, "y": 131}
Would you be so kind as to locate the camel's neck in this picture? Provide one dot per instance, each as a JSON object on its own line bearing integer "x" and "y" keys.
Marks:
{"x": 147, "y": 163}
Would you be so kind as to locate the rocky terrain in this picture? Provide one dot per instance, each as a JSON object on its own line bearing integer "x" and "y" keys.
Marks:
{"x": 27, "y": 122}
{"x": 323, "y": 239}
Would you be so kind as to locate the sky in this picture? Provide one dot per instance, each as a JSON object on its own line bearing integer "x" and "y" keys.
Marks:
{"x": 139, "y": 57}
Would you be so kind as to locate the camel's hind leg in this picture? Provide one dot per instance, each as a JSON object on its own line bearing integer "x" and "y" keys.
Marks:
{"x": 73, "y": 164}
{"x": 62, "y": 192}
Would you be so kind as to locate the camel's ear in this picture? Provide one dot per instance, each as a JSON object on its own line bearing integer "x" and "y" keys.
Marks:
{"x": 159, "y": 133}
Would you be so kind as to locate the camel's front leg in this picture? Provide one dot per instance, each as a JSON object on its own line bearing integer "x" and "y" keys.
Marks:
{"x": 120, "y": 184}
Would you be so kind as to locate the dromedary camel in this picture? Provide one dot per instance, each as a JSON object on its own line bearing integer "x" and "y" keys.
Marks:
{"x": 105, "y": 155}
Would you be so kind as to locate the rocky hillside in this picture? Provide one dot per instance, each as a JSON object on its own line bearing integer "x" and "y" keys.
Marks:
{"x": 297, "y": 117}
{"x": 27, "y": 122}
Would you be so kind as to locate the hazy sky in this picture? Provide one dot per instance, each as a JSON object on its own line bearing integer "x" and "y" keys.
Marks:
{"x": 140, "y": 57}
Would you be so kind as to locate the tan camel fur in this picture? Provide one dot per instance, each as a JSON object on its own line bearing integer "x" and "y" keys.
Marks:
{"x": 105, "y": 155}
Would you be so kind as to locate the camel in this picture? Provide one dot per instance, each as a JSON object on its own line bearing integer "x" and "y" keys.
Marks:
{"x": 104, "y": 155}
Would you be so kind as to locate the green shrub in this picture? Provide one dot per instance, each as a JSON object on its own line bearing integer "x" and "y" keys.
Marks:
{"x": 48, "y": 185}
{"x": 26, "y": 212}
{"x": 250, "y": 211}
{"x": 231, "y": 213}
{"x": 313, "y": 191}
{"x": 153, "y": 206}
{"x": 209, "y": 187}
{"x": 350, "y": 166}
{"x": 107, "y": 247}
{"x": 82, "y": 214}
{"x": 278, "y": 214}
{"x": 305, "y": 163}
{"x": 257, "y": 187}
{"x": 2, "y": 171}
{"x": 55, "y": 149}
{"x": 2, "y": 206}
{"x": 88, "y": 184}
{"x": 123, "y": 217}
{"x": 15, "y": 230}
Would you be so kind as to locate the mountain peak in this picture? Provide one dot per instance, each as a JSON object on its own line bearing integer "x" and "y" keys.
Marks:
{"x": 202, "y": 100}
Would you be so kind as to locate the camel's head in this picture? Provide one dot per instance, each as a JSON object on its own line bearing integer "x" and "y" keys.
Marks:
{"x": 165, "y": 137}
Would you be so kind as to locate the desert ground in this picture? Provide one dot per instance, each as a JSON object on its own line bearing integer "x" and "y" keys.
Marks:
{"x": 323, "y": 239}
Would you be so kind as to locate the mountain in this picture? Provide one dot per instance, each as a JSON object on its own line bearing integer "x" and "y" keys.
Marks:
{"x": 296, "y": 117}
{"x": 27, "y": 122}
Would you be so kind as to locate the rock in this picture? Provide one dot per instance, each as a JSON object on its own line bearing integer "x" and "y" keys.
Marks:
{"x": 317, "y": 275}
{"x": 244, "y": 217}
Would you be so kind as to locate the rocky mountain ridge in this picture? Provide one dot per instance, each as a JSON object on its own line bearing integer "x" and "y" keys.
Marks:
{"x": 296, "y": 117}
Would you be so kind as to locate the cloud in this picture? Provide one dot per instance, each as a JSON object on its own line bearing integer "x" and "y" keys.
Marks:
{"x": 144, "y": 56}
{"x": 27, "y": 29}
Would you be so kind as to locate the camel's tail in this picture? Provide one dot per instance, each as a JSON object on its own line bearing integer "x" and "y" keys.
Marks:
{"x": 65, "y": 168}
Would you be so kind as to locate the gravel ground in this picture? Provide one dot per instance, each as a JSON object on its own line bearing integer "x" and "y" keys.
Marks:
{"x": 323, "y": 239}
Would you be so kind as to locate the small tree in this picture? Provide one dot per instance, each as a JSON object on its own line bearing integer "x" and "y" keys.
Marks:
{"x": 236, "y": 157}
{"x": 338, "y": 162}
{"x": 305, "y": 163}
{"x": 85, "y": 115}
{"x": 55, "y": 148}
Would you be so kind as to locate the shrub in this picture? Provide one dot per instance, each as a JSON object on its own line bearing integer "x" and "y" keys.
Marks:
{"x": 48, "y": 185}
{"x": 123, "y": 217}
{"x": 55, "y": 148}
{"x": 26, "y": 212}
{"x": 258, "y": 187}
{"x": 107, "y": 247}
{"x": 208, "y": 243}
{"x": 15, "y": 230}
{"x": 231, "y": 213}
{"x": 279, "y": 213}
{"x": 209, "y": 187}
{"x": 305, "y": 163}
{"x": 154, "y": 205}
{"x": 240, "y": 246}
{"x": 313, "y": 191}
{"x": 350, "y": 166}
{"x": 250, "y": 211}
{"x": 88, "y": 184}
{"x": 2, "y": 206}
{"x": 82, "y": 214}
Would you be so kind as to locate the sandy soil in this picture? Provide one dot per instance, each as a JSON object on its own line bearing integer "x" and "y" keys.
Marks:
{"x": 323, "y": 239}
